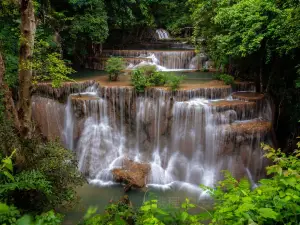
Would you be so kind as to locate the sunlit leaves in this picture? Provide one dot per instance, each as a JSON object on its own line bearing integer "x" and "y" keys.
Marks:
{"x": 275, "y": 200}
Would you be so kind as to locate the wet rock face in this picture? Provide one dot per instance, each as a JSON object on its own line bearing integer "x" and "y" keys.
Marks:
{"x": 132, "y": 174}
{"x": 48, "y": 115}
{"x": 194, "y": 128}
{"x": 61, "y": 94}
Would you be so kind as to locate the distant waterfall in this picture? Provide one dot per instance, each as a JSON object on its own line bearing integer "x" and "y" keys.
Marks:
{"x": 162, "y": 34}
{"x": 164, "y": 60}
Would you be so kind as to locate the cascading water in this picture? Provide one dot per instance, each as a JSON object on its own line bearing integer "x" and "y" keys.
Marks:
{"x": 164, "y": 60}
{"x": 187, "y": 137}
{"x": 162, "y": 34}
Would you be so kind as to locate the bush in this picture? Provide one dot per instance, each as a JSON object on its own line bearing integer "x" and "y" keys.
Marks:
{"x": 114, "y": 67}
{"x": 158, "y": 79}
{"x": 228, "y": 79}
{"x": 149, "y": 213}
{"x": 275, "y": 201}
{"x": 148, "y": 70}
{"x": 174, "y": 81}
{"x": 139, "y": 80}
{"x": 58, "y": 165}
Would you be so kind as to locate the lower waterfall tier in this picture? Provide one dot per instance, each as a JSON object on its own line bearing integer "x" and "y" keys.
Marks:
{"x": 187, "y": 136}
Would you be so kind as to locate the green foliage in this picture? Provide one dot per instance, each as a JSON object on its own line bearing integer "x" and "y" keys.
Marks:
{"x": 139, "y": 80}
{"x": 24, "y": 181}
{"x": 228, "y": 79}
{"x": 9, "y": 39}
{"x": 89, "y": 21}
{"x": 59, "y": 166}
{"x": 114, "y": 67}
{"x": 10, "y": 215}
{"x": 158, "y": 78}
{"x": 39, "y": 161}
{"x": 120, "y": 213}
{"x": 275, "y": 201}
{"x": 148, "y": 70}
{"x": 174, "y": 81}
{"x": 148, "y": 214}
{"x": 147, "y": 76}
{"x": 48, "y": 63}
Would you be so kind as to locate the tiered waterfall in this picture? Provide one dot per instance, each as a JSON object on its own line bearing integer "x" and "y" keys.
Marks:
{"x": 187, "y": 136}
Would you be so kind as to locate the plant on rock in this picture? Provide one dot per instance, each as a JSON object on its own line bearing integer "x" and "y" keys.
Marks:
{"x": 139, "y": 80}
{"x": 114, "y": 67}
{"x": 228, "y": 79}
{"x": 158, "y": 78}
{"x": 174, "y": 81}
{"x": 146, "y": 76}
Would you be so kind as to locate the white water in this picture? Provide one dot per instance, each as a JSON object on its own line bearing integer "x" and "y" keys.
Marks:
{"x": 162, "y": 34}
{"x": 168, "y": 61}
{"x": 187, "y": 143}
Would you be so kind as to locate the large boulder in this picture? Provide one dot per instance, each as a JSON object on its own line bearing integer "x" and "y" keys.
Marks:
{"x": 132, "y": 174}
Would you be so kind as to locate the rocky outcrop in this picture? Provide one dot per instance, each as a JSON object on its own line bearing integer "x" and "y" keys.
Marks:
{"x": 132, "y": 174}
{"x": 62, "y": 93}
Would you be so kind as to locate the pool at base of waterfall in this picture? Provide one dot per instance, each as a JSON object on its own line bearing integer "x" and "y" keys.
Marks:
{"x": 100, "y": 197}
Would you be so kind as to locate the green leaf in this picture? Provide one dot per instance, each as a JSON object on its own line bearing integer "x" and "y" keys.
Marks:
{"x": 267, "y": 213}
{"x": 8, "y": 175}
{"x": 4, "y": 208}
{"x": 24, "y": 220}
{"x": 8, "y": 163}
{"x": 184, "y": 216}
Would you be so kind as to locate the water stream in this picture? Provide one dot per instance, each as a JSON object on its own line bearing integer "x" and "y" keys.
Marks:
{"x": 187, "y": 137}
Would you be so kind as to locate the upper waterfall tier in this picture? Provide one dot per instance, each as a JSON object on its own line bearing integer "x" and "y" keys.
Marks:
{"x": 163, "y": 59}
{"x": 185, "y": 136}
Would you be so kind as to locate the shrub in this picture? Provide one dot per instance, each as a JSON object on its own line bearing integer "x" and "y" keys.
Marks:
{"x": 114, "y": 67}
{"x": 139, "y": 80}
{"x": 174, "y": 81}
{"x": 148, "y": 70}
{"x": 158, "y": 79}
{"x": 149, "y": 213}
{"x": 228, "y": 79}
{"x": 275, "y": 201}
{"x": 58, "y": 165}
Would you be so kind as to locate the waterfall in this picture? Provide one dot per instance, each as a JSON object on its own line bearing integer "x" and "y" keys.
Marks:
{"x": 187, "y": 137}
{"x": 163, "y": 60}
{"x": 162, "y": 34}
{"x": 69, "y": 124}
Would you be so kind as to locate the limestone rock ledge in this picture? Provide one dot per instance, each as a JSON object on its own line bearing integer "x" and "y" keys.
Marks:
{"x": 132, "y": 174}
{"x": 61, "y": 93}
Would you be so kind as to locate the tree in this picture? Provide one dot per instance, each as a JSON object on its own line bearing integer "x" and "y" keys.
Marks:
{"x": 114, "y": 67}
{"x": 28, "y": 27}
{"x": 6, "y": 98}
{"x": 256, "y": 40}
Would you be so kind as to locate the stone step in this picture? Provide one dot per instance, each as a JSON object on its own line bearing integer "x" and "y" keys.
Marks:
{"x": 248, "y": 96}
{"x": 84, "y": 97}
{"x": 228, "y": 104}
{"x": 252, "y": 127}
{"x": 243, "y": 86}
{"x": 243, "y": 110}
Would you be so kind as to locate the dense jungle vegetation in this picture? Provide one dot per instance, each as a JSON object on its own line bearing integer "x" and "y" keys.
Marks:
{"x": 256, "y": 40}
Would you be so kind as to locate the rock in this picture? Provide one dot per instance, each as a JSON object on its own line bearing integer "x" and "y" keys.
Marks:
{"x": 133, "y": 174}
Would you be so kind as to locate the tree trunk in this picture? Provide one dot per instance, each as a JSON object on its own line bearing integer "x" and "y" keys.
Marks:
{"x": 28, "y": 27}
{"x": 10, "y": 109}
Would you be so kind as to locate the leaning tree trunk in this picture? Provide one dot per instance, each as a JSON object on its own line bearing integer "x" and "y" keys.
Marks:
{"x": 10, "y": 109}
{"x": 28, "y": 27}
